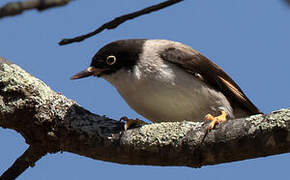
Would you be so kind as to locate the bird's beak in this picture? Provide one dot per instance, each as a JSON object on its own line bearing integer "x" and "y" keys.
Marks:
{"x": 90, "y": 71}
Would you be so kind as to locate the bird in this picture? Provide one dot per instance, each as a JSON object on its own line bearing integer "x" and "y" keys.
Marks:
{"x": 166, "y": 81}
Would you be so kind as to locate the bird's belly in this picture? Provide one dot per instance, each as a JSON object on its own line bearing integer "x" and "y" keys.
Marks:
{"x": 167, "y": 106}
{"x": 167, "y": 93}
{"x": 171, "y": 103}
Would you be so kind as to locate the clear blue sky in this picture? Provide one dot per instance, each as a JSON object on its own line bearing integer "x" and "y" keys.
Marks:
{"x": 249, "y": 39}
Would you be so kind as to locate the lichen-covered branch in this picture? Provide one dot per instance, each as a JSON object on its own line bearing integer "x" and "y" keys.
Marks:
{"x": 50, "y": 120}
{"x": 120, "y": 20}
{"x": 16, "y": 8}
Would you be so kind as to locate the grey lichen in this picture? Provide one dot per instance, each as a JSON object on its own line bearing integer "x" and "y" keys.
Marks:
{"x": 161, "y": 134}
{"x": 276, "y": 119}
{"x": 255, "y": 120}
{"x": 15, "y": 78}
{"x": 21, "y": 89}
{"x": 282, "y": 114}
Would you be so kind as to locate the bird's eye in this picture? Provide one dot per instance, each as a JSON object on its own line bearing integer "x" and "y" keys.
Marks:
{"x": 111, "y": 60}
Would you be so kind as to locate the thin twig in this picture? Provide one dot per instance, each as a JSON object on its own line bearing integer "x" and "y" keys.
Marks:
{"x": 287, "y": 1}
{"x": 16, "y": 8}
{"x": 119, "y": 20}
{"x": 26, "y": 160}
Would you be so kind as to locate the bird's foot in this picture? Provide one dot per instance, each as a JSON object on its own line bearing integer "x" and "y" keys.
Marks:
{"x": 132, "y": 123}
{"x": 216, "y": 120}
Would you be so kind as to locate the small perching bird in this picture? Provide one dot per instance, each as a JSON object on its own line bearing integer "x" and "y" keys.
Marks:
{"x": 168, "y": 81}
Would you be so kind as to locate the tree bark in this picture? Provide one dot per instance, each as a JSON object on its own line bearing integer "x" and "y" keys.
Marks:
{"x": 16, "y": 8}
{"x": 51, "y": 121}
{"x": 26, "y": 160}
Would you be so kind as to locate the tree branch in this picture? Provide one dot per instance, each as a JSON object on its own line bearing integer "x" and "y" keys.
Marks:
{"x": 119, "y": 20}
{"x": 16, "y": 8}
{"x": 55, "y": 123}
{"x": 26, "y": 160}
{"x": 287, "y": 2}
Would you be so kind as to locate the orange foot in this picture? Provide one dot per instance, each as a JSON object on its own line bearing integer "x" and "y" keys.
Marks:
{"x": 216, "y": 120}
{"x": 132, "y": 123}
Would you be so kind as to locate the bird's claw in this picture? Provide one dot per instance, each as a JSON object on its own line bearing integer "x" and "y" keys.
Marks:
{"x": 132, "y": 123}
{"x": 216, "y": 120}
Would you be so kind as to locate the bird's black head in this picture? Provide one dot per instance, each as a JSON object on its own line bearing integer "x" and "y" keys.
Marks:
{"x": 113, "y": 57}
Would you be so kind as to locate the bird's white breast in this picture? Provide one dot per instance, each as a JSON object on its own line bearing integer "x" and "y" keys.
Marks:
{"x": 161, "y": 91}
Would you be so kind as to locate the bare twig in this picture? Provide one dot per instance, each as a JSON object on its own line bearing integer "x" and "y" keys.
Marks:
{"x": 287, "y": 1}
{"x": 15, "y": 8}
{"x": 119, "y": 20}
{"x": 26, "y": 160}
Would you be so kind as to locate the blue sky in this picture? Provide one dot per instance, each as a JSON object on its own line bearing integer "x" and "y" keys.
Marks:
{"x": 249, "y": 39}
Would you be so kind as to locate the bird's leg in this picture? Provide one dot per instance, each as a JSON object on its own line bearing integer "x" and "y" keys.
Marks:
{"x": 216, "y": 120}
{"x": 132, "y": 123}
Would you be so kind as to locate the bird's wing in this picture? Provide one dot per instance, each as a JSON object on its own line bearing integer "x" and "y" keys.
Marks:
{"x": 199, "y": 66}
